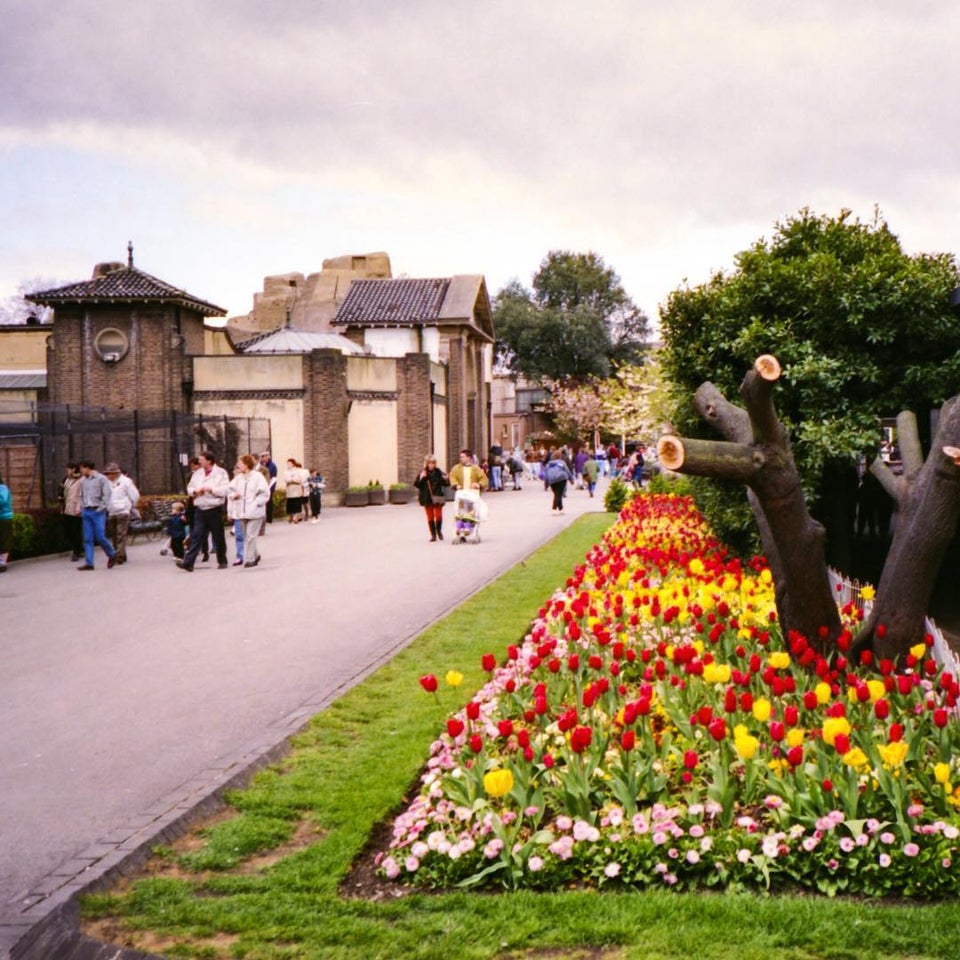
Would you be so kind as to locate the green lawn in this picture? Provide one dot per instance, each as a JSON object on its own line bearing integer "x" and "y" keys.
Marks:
{"x": 234, "y": 891}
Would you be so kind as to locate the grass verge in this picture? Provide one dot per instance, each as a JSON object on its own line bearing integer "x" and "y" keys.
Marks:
{"x": 251, "y": 886}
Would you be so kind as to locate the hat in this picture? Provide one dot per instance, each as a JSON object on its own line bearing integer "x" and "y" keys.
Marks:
{"x": 112, "y": 468}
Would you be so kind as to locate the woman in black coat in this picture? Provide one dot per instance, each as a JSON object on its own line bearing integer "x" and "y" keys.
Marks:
{"x": 430, "y": 486}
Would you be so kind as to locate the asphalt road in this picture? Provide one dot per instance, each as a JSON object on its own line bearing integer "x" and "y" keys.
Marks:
{"x": 119, "y": 687}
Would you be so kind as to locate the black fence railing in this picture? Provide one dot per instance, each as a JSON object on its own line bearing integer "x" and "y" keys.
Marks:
{"x": 38, "y": 439}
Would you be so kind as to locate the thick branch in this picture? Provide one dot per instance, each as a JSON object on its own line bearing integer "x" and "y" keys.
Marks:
{"x": 757, "y": 393}
{"x": 710, "y": 458}
{"x": 895, "y": 486}
{"x": 729, "y": 420}
{"x": 908, "y": 439}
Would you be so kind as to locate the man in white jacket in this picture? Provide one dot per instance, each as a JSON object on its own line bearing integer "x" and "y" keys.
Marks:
{"x": 124, "y": 496}
{"x": 208, "y": 486}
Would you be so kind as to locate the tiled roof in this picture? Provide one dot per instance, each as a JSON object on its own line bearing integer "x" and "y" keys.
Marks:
{"x": 125, "y": 285}
{"x": 288, "y": 340}
{"x": 388, "y": 302}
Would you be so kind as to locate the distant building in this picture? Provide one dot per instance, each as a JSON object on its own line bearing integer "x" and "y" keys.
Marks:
{"x": 360, "y": 375}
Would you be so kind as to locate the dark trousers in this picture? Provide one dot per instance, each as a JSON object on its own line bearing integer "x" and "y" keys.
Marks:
{"x": 74, "y": 530}
{"x": 559, "y": 489}
{"x": 206, "y": 522}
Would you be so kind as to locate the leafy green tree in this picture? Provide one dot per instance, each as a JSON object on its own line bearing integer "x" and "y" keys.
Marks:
{"x": 575, "y": 323}
{"x": 861, "y": 329}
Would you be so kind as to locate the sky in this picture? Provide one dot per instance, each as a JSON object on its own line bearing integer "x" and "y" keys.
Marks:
{"x": 234, "y": 140}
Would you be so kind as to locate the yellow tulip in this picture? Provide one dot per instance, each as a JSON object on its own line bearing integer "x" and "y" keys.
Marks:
{"x": 942, "y": 772}
{"x": 833, "y": 726}
{"x": 893, "y": 754}
{"x": 795, "y": 737}
{"x": 823, "y": 693}
{"x": 454, "y": 678}
{"x": 746, "y": 746}
{"x": 919, "y": 650}
{"x": 877, "y": 689}
{"x": 762, "y": 709}
{"x": 498, "y": 783}
{"x": 779, "y": 660}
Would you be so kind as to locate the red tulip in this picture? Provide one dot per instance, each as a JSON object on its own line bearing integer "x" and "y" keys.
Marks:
{"x": 717, "y": 729}
{"x": 455, "y": 727}
{"x": 896, "y": 732}
{"x": 473, "y": 710}
{"x": 777, "y": 730}
{"x": 476, "y": 743}
{"x": 881, "y": 709}
{"x": 791, "y": 715}
{"x": 795, "y": 756}
{"x": 841, "y": 743}
{"x": 489, "y": 662}
{"x": 628, "y": 740}
{"x": 429, "y": 683}
{"x": 940, "y": 717}
{"x": 690, "y": 759}
{"x": 580, "y": 739}
{"x": 505, "y": 727}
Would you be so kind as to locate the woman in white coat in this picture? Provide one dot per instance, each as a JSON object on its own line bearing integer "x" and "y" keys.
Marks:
{"x": 248, "y": 498}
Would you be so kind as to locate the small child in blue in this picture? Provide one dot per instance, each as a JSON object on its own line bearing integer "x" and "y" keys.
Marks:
{"x": 177, "y": 529}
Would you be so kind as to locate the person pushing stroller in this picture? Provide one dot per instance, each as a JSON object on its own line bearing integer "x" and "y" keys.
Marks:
{"x": 469, "y": 480}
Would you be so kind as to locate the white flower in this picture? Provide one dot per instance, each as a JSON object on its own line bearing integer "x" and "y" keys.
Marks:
{"x": 743, "y": 855}
{"x": 412, "y": 864}
{"x": 612, "y": 870}
{"x": 693, "y": 856}
{"x": 535, "y": 864}
{"x": 884, "y": 859}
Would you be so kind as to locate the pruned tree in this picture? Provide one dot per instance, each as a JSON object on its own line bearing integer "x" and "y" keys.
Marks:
{"x": 756, "y": 451}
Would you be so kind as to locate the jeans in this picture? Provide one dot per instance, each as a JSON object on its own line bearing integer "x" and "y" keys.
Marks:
{"x": 238, "y": 536}
{"x": 95, "y": 532}
{"x": 495, "y": 482}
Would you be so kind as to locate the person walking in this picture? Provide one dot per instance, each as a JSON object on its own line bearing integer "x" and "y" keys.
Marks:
{"x": 95, "y": 495}
{"x": 556, "y": 475}
{"x": 590, "y": 472}
{"x": 266, "y": 461}
{"x": 208, "y": 487}
{"x": 70, "y": 507}
{"x": 233, "y": 514}
{"x": 6, "y": 525}
{"x": 249, "y": 492}
{"x": 123, "y": 501}
{"x": 430, "y": 495}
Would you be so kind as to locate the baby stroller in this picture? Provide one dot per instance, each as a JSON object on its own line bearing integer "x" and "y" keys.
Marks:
{"x": 469, "y": 511}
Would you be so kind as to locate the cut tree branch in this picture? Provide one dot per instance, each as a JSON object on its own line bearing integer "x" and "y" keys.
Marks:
{"x": 729, "y": 420}
{"x": 908, "y": 439}
{"x": 757, "y": 393}
{"x": 710, "y": 458}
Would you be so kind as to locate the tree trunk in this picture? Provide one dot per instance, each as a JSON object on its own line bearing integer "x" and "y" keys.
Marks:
{"x": 759, "y": 455}
{"x": 928, "y": 498}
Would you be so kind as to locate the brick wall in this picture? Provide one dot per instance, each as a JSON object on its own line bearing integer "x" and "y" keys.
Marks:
{"x": 414, "y": 427}
{"x": 325, "y": 436}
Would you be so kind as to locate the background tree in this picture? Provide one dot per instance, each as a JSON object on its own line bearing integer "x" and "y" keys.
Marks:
{"x": 575, "y": 323}
{"x": 14, "y": 309}
{"x": 862, "y": 330}
{"x": 634, "y": 403}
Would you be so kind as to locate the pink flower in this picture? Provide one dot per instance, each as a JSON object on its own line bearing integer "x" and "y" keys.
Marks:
{"x": 884, "y": 859}
{"x": 612, "y": 870}
{"x": 910, "y": 849}
{"x": 391, "y": 868}
{"x": 535, "y": 864}
{"x": 412, "y": 864}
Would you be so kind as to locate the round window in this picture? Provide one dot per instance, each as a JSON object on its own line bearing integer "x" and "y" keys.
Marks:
{"x": 111, "y": 345}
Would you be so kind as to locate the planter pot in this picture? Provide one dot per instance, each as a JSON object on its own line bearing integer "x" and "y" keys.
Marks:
{"x": 359, "y": 498}
{"x": 377, "y": 496}
{"x": 401, "y": 496}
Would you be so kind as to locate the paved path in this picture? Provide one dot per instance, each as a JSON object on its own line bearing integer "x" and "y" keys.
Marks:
{"x": 120, "y": 690}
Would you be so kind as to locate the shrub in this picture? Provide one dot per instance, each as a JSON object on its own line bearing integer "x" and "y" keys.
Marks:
{"x": 618, "y": 493}
{"x": 38, "y": 532}
{"x": 670, "y": 483}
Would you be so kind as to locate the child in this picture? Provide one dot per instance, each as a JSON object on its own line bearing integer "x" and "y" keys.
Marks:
{"x": 177, "y": 529}
{"x": 466, "y": 517}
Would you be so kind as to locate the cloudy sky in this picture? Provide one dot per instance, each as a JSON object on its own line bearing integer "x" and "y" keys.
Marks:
{"x": 237, "y": 139}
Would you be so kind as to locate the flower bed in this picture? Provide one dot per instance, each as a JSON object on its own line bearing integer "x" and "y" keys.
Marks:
{"x": 656, "y": 729}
